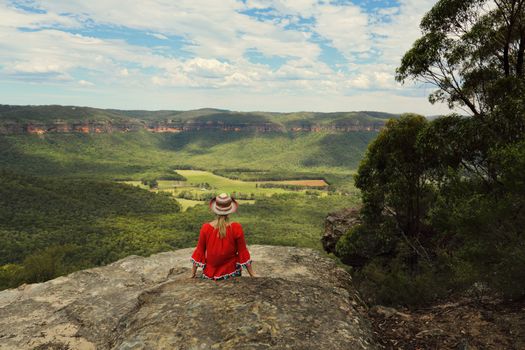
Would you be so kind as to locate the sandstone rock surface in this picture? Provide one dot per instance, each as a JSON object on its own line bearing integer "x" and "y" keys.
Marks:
{"x": 301, "y": 300}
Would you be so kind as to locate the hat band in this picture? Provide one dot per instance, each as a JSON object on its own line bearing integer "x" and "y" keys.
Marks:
{"x": 223, "y": 201}
{"x": 223, "y": 208}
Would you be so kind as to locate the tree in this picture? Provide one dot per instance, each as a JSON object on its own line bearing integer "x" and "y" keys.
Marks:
{"x": 470, "y": 50}
{"x": 153, "y": 184}
{"x": 451, "y": 191}
{"x": 473, "y": 52}
{"x": 393, "y": 181}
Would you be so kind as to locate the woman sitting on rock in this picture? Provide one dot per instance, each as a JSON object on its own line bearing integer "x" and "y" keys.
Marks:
{"x": 221, "y": 250}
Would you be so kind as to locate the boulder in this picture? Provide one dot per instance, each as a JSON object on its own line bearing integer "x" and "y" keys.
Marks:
{"x": 337, "y": 224}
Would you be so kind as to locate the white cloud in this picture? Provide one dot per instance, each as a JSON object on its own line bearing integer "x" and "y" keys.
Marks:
{"x": 362, "y": 81}
{"x": 346, "y": 27}
{"x": 85, "y": 83}
{"x": 11, "y": 17}
{"x": 304, "y": 8}
{"x": 158, "y": 36}
{"x": 217, "y": 37}
{"x": 396, "y": 35}
{"x": 36, "y": 66}
{"x": 215, "y": 29}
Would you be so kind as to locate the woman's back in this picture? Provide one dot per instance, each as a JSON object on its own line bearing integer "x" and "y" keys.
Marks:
{"x": 219, "y": 250}
{"x": 221, "y": 256}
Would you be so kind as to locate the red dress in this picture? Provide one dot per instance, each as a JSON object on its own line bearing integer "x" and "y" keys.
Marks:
{"x": 221, "y": 258}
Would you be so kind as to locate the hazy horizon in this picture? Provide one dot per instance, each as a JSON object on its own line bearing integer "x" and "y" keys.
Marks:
{"x": 200, "y": 108}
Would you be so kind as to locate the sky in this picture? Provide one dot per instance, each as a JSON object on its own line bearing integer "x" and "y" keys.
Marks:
{"x": 244, "y": 55}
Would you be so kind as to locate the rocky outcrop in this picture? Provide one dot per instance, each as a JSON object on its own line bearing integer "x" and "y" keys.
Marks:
{"x": 217, "y": 124}
{"x": 300, "y": 301}
{"x": 337, "y": 224}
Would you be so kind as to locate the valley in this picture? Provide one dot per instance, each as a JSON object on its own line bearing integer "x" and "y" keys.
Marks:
{"x": 72, "y": 200}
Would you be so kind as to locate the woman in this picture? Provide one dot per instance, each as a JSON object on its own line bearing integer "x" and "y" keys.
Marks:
{"x": 221, "y": 250}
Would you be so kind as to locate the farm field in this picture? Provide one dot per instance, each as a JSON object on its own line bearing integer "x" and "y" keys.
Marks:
{"x": 188, "y": 203}
{"x": 224, "y": 184}
{"x": 202, "y": 185}
{"x": 313, "y": 183}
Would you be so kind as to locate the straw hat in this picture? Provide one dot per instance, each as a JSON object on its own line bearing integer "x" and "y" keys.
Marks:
{"x": 223, "y": 204}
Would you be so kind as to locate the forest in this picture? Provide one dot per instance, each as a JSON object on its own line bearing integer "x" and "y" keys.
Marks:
{"x": 50, "y": 227}
{"x": 444, "y": 200}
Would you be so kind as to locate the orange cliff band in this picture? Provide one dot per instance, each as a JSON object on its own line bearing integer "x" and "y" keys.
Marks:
{"x": 86, "y": 128}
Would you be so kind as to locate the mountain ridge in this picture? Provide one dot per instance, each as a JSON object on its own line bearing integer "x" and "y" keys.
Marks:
{"x": 67, "y": 119}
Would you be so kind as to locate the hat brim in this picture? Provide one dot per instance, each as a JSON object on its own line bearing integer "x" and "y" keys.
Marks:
{"x": 233, "y": 209}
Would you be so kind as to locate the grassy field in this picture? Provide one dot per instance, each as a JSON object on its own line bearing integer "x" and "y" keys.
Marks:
{"x": 190, "y": 203}
{"x": 224, "y": 184}
{"x": 313, "y": 183}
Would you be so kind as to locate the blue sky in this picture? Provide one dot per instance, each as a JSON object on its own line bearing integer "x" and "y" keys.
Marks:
{"x": 273, "y": 55}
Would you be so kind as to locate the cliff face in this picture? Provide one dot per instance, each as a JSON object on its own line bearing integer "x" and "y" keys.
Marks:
{"x": 300, "y": 301}
{"x": 13, "y": 127}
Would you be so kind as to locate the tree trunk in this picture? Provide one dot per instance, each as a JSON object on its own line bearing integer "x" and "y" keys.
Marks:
{"x": 506, "y": 64}
{"x": 521, "y": 51}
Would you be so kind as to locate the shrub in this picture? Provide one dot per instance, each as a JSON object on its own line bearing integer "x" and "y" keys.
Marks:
{"x": 392, "y": 282}
{"x": 10, "y": 275}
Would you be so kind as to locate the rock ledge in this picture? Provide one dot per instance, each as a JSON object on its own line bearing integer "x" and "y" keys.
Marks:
{"x": 301, "y": 301}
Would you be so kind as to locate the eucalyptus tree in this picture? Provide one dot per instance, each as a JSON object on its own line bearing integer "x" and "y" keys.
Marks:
{"x": 473, "y": 51}
{"x": 470, "y": 50}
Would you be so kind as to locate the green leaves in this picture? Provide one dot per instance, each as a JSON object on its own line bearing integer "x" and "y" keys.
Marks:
{"x": 447, "y": 15}
{"x": 392, "y": 170}
{"x": 454, "y": 187}
{"x": 442, "y": 201}
{"x": 421, "y": 58}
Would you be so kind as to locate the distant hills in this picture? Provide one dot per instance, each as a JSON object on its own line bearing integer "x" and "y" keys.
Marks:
{"x": 72, "y": 119}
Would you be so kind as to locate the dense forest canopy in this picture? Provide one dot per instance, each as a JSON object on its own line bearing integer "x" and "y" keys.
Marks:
{"x": 53, "y": 226}
{"x": 48, "y": 114}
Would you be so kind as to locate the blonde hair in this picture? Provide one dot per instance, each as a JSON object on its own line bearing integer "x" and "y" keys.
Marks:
{"x": 222, "y": 223}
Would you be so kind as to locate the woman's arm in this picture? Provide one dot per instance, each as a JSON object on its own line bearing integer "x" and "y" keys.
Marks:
{"x": 199, "y": 254}
{"x": 250, "y": 271}
{"x": 193, "y": 270}
{"x": 242, "y": 250}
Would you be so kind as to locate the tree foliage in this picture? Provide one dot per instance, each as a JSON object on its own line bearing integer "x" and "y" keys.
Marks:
{"x": 471, "y": 50}
{"x": 444, "y": 201}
